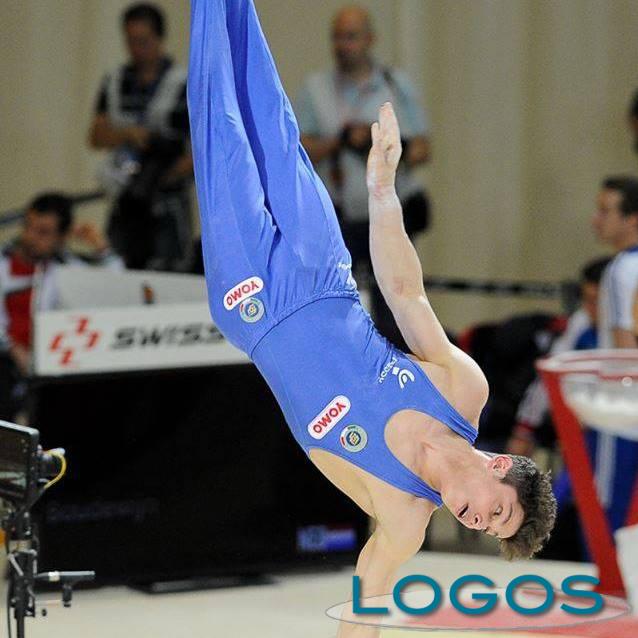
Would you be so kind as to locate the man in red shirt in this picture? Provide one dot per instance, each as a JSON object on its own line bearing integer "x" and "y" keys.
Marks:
{"x": 34, "y": 255}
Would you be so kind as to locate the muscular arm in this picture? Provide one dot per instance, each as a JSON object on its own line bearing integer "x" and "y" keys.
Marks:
{"x": 377, "y": 568}
{"x": 397, "y": 268}
{"x": 398, "y": 272}
{"x": 396, "y": 265}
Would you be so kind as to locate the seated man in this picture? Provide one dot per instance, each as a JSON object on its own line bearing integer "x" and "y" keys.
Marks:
{"x": 394, "y": 431}
{"x": 35, "y": 253}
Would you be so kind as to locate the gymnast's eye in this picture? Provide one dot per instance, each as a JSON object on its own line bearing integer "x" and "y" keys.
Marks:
{"x": 499, "y": 511}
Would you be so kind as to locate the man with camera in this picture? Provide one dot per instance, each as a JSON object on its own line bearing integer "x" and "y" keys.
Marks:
{"x": 336, "y": 108}
{"x": 141, "y": 118}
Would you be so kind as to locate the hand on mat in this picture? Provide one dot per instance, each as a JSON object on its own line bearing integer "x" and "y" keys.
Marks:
{"x": 385, "y": 153}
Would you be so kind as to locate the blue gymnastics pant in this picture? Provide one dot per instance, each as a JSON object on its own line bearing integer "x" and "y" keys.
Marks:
{"x": 271, "y": 240}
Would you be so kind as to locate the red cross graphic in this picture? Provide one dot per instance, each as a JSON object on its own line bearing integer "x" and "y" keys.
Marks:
{"x": 67, "y": 343}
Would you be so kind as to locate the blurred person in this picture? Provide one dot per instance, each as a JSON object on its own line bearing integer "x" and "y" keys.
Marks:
{"x": 614, "y": 459}
{"x": 580, "y": 334}
{"x": 280, "y": 288}
{"x": 615, "y": 224}
{"x": 34, "y": 255}
{"x": 336, "y": 107}
{"x": 567, "y": 542}
{"x": 141, "y": 118}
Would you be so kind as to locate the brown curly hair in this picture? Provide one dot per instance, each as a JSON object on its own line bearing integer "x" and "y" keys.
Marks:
{"x": 534, "y": 489}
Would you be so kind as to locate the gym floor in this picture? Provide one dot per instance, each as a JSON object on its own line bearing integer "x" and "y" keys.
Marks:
{"x": 293, "y": 605}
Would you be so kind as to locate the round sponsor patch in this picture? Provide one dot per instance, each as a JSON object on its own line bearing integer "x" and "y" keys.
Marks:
{"x": 251, "y": 310}
{"x": 354, "y": 438}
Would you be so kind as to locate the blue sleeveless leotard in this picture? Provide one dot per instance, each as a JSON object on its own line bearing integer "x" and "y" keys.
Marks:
{"x": 278, "y": 273}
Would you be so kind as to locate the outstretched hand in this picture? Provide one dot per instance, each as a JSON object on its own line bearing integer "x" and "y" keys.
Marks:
{"x": 386, "y": 151}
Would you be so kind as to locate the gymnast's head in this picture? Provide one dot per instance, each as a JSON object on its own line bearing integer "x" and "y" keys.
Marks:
{"x": 505, "y": 496}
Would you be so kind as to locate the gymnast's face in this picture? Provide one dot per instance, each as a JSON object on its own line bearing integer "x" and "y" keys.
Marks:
{"x": 482, "y": 501}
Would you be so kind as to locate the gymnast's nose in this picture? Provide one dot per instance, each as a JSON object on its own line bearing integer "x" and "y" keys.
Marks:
{"x": 477, "y": 520}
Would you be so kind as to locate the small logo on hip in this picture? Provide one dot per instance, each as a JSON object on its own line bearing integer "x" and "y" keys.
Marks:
{"x": 353, "y": 438}
{"x": 251, "y": 310}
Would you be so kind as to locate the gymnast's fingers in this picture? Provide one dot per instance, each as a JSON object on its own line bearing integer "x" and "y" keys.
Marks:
{"x": 388, "y": 121}
{"x": 375, "y": 133}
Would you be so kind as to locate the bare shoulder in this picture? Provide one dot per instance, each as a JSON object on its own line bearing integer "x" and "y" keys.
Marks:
{"x": 461, "y": 381}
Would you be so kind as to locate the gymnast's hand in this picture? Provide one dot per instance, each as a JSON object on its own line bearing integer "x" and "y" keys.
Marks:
{"x": 385, "y": 153}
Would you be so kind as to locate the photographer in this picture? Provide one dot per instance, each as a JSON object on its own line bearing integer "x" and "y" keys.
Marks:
{"x": 336, "y": 108}
{"x": 142, "y": 118}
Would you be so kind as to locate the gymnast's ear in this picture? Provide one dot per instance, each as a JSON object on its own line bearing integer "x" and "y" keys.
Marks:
{"x": 500, "y": 465}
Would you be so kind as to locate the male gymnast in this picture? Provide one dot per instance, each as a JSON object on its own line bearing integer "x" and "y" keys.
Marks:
{"x": 393, "y": 431}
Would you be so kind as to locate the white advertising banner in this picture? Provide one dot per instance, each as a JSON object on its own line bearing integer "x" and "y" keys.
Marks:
{"x": 127, "y": 339}
{"x": 79, "y": 287}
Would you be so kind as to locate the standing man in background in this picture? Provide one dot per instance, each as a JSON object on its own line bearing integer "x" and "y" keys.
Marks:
{"x": 615, "y": 223}
{"x": 141, "y": 118}
{"x": 608, "y": 310}
{"x": 580, "y": 334}
{"x": 335, "y": 109}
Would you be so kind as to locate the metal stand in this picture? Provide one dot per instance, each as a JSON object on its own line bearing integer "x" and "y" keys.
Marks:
{"x": 22, "y": 556}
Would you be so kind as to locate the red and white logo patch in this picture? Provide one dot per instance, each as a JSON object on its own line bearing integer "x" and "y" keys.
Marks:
{"x": 329, "y": 417}
{"x": 68, "y": 343}
{"x": 241, "y": 291}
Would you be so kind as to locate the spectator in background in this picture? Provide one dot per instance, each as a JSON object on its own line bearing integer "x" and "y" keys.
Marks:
{"x": 566, "y": 542}
{"x": 580, "y": 334}
{"x": 141, "y": 117}
{"x": 616, "y": 224}
{"x": 336, "y": 108}
{"x": 615, "y": 459}
{"x": 35, "y": 254}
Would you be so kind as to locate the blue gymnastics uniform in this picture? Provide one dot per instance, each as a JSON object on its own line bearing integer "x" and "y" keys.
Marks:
{"x": 278, "y": 274}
